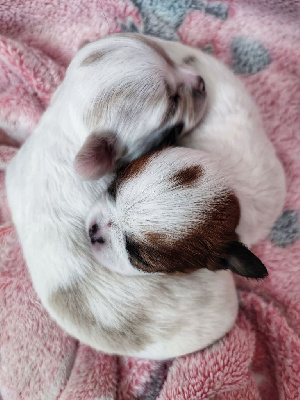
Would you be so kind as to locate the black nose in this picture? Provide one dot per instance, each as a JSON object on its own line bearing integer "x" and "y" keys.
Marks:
{"x": 95, "y": 235}
{"x": 94, "y": 229}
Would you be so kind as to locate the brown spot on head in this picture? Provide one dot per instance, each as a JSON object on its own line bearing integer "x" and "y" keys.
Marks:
{"x": 201, "y": 246}
{"x": 187, "y": 176}
{"x": 94, "y": 57}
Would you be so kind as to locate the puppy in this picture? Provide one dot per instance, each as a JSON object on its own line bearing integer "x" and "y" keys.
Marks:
{"x": 172, "y": 211}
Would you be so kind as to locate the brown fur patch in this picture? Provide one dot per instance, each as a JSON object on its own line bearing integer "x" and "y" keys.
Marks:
{"x": 129, "y": 171}
{"x": 128, "y": 333}
{"x": 155, "y": 237}
{"x": 187, "y": 176}
{"x": 202, "y": 247}
{"x": 94, "y": 57}
{"x": 122, "y": 98}
{"x": 71, "y": 300}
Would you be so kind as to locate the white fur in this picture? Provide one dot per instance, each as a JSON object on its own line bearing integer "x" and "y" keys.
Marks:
{"x": 146, "y": 316}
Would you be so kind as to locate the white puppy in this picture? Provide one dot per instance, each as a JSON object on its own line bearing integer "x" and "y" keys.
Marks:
{"x": 102, "y": 114}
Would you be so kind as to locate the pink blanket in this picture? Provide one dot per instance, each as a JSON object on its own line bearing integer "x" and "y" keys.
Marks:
{"x": 260, "y": 357}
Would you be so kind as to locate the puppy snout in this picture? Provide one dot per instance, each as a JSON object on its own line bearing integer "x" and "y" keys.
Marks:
{"x": 95, "y": 234}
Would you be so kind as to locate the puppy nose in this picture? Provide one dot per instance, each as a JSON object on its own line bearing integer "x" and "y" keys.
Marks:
{"x": 93, "y": 229}
{"x": 94, "y": 234}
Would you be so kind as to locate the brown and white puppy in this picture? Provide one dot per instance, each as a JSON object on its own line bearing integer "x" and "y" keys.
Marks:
{"x": 171, "y": 211}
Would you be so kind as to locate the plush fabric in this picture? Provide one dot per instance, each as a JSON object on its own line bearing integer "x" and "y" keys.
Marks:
{"x": 260, "y": 357}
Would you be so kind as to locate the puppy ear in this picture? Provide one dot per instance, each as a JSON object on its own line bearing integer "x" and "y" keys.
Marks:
{"x": 242, "y": 261}
{"x": 97, "y": 156}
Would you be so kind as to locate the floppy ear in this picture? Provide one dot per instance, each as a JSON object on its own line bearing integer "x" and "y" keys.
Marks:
{"x": 97, "y": 156}
{"x": 240, "y": 260}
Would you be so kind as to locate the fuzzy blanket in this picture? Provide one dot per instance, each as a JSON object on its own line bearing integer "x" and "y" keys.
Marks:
{"x": 260, "y": 357}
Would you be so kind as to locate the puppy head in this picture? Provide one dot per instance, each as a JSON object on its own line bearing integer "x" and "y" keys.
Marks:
{"x": 133, "y": 98}
{"x": 171, "y": 211}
